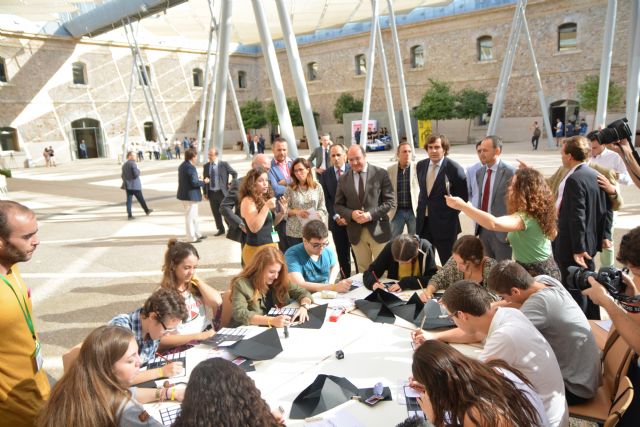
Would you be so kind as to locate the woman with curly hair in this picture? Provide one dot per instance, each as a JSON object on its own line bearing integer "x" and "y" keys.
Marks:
{"x": 303, "y": 195}
{"x": 230, "y": 398}
{"x": 179, "y": 273}
{"x": 259, "y": 213}
{"x": 97, "y": 392}
{"x": 531, "y": 223}
{"x": 459, "y": 391}
{"x": 262, "y": 285}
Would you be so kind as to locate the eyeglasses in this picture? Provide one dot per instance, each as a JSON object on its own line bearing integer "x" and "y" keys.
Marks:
{"x": 299, "y": 170}
{"x": 166, "y": 330}
{"x": 449, "y": 316}
{"x": 319, "y": 245}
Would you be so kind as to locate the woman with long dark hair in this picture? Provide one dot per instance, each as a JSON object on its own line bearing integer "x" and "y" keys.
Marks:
{"x": 262, "y": 285}
{"x": 461, "y": 391}
{"x": 531, "y": 223}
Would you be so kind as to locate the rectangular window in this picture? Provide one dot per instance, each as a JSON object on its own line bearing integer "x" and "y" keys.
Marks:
{"x": 142, "y": 79}
{"x": 79, "y": 75}
{"x": 3, "y": 71}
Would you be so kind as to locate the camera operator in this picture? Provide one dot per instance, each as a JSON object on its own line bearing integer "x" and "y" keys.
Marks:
{"x": 627, "y": 323}
{"x": 616, "y": 137}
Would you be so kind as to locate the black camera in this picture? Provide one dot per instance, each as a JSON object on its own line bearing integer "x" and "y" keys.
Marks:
{"x": 615, "y": 131}
{"x": 609, "y": 277}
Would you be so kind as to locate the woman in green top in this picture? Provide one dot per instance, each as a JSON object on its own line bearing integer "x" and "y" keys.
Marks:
{"x": 262, "y": 285}
{"x": 531, "y": 223}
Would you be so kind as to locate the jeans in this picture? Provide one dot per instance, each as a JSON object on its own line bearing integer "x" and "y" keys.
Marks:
{"x": 138, "y": 195}
{"x": 402, "y": 217}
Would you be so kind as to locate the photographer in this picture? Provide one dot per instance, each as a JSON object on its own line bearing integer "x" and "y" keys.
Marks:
{"x": 630, "y": 157}
{"x": 616, "y": 137}
{"x": 626, "y": 321}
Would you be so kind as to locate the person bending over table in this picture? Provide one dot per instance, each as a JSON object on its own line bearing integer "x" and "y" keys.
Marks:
{"x": 467, "y": 262}
{"x": 229, "y": 394}
{"x": 473, "y": 392}
{"x": 311, "y": 264}
{"x": 258, "y": 211}
{"x": 178, "y": 274}
{"x": 161, "y": 313}
{"x": 262, "y": 285}
{"x": 531, "y": 224}
{"x": 406, "y": 258}
{"x": 96, "y": 391}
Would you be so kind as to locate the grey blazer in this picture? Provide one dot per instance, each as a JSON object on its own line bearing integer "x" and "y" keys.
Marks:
{"x": 317, "y": 155}
{"x": 131, "y": 175}
{"x": 224, "y": 170}
{"x": 498, "y": 200}
{"x": 379, "y": 200}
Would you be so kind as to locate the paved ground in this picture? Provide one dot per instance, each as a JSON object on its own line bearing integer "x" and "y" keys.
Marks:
{"x": 93, "y": 264}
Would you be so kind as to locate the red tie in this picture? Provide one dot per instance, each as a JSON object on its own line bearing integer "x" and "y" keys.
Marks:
{"x": 339, "y": 173}
{"x": 485, "y": 192}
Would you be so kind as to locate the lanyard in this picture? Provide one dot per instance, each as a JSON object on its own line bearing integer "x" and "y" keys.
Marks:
{"x": 25, "y": 309}
{"x": 273, "y": 230}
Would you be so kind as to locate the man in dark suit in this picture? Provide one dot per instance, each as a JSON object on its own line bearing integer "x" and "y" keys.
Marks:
{"x": 218, "y": 172}
{"x": 321, "y": 155}
{"x": 584, "y": 217}
{"x": 189, "y": 192}
{"x": 439, "y": 175}
{"x": 363, "y": 199}
{"x": 132, "y": 184}
{"x": 261, "y": 144}
{"x": 493, "y": 180}
{"x": 337, "y": 224}
{"x": 280, "y": 178}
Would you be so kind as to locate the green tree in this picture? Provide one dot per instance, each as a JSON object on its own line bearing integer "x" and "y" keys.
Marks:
{"x": 346, "y": 103}
{"x": 588, "y": 95}
{"x": 294, "y": 112}
{"x": 253, "y": 115}
{"x": 437, "y": 103}
{"x": 470, "y": 103}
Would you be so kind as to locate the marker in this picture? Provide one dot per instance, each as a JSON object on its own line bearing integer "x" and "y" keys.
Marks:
{"x": 286, "y": 331}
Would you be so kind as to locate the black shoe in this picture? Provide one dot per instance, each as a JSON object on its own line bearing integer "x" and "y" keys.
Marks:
{"x": 130, "y": 217}
{"x": 219, "y": 233}
{"x": 149, "y": 211}
{"x": 202, "y": 237}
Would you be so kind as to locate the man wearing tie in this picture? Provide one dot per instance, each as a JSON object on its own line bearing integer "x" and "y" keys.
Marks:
{"x": 439, "y": 175}
{"x": 364, "y": 198}
{"x": 218, "y": 172}
{"x": 321, "y": 155}
{"x": 493, "y": 181}
{"x": 337, "y": 224}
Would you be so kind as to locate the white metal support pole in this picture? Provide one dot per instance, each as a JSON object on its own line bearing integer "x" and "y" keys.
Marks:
{"x": 387, "y": 92}
{"x": 297, "y": 74}
{"x": 633, "y": 71}
{"x": 273, "y": 71}
{"x": 505, "y": 73}
{"x": 366, "y": 104}
{"x": 236, "y": 109}
{"x": 132, "y": 89}
{"x": 205, "y": 85}
{"x": 402, "y": 87}
{"x": 212, "y": 93}
{"x": 222, "y": 70}
{"x": 536, "y": 77}
{"x": 605, "y": 63}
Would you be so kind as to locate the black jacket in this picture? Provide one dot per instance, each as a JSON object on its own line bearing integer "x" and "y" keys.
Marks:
{"x": 384, "y": 262}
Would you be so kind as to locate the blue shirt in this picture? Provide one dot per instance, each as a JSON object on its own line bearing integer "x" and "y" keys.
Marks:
{"x": 298, "y": 261}
{"x": 146, "y": 346}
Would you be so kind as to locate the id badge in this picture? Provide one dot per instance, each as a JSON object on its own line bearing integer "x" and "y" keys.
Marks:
{"x": 274, "y": 237}
{"x": 36, "y": 357}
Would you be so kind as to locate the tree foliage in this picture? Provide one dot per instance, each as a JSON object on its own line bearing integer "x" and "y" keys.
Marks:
{"x": 346, "y": 103}
{"x": 471, "y": 103}
{"x": 294, "y": 112}
{"x": 437, "y": 103}
{"x": 253, "y": 114}
{"x": 588, "y": 94}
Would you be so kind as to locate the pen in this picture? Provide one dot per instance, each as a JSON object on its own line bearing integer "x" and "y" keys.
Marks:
{"x": 421, "y": 287}
{"x": 286, "y": 331}
{"x": 163, "y": 358}
{"x": 378, "y": 280}
{"x": 344, "y": 276}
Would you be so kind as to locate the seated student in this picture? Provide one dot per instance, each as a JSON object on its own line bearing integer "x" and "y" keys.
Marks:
{"x": 507, "y": 335}
{"x": 406, "y": 258}
{"x": 467, "y": 262}
{"x": 180, "y": 262}
{"x": 220, "y": 393}
{"x": 262, "y": 285}
{"x": 161, "y": 313}
{"x": 311, "y": 264}
{"x": 457, "y": 387}
{"x": 554, "y": 312}
{"x": 96, "y": 391}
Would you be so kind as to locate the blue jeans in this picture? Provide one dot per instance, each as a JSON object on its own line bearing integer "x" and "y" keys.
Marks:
{"x": 402, "y": 217}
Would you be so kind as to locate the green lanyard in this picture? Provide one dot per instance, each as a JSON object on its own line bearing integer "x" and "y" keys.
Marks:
{"x": 273, "y": 230}
{"x": 25, "y": 309}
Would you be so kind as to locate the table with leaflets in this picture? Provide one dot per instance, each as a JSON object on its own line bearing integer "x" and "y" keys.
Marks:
{"x": 373, "y": 353}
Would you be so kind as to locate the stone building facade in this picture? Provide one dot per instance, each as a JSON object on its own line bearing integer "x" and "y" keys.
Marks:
{"x": 42, "y": 106}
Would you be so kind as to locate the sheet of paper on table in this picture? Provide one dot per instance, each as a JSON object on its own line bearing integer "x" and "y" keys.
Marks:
{"x": 340, "y": 418}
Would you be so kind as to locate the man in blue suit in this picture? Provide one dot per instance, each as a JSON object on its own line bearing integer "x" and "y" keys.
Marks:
{"x": 439, "y": 175}
{"x": 131, "y": 183}
{"x": 280, "y": 178}
{"x": 218, "y": 172}
{"x": 190, "y": 193}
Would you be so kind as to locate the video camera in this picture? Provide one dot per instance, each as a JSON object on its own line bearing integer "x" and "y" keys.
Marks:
{"x": 609, "y": 277}
{"x": 615, "y": 131}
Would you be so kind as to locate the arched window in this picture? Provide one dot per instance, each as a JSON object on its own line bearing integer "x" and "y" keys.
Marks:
{"x": 3, "y": 71}
{"x": 197, "y": 77}
{"x": 242, "y": 79}
{"x": 567, "y": 36}
{"x": 79, "y": 71}
{"x": 312, "y": 71}
{"x": 417, "y": 57}
{"x": 361, "y": 64}
{"x": 142, "y": 80}
{"x": 485, "y": 48}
